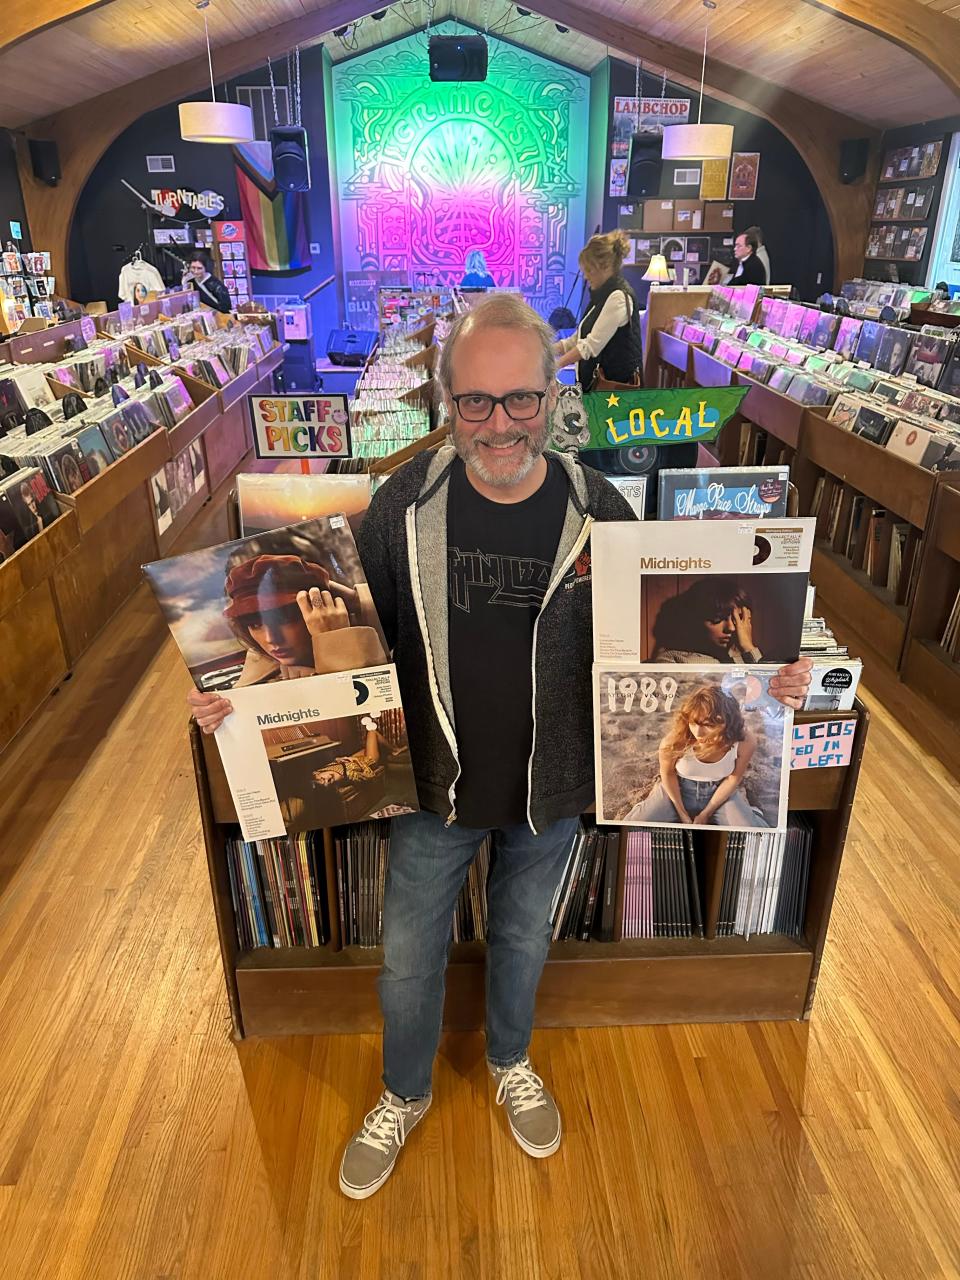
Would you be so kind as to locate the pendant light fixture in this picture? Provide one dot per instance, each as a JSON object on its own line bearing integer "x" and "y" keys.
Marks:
{"x": 213, "y": 121}
{"x": 699, "y": 141}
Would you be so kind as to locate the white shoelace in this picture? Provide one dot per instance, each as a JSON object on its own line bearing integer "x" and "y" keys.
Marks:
{"x": 384, "y": 1125}
{"x": 524, "y": 1087}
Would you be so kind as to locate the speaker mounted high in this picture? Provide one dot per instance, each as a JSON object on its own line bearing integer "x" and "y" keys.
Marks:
{"x": 291, "y": 157}
{"x": 458, "y": 58}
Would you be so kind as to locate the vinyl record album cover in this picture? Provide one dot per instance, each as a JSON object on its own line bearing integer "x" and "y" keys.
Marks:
{"x": 724, "y": 493}
{"x": 275, "y": 606}
{"x": 928, "y": 357}
{"x": 689, "y": 591}
{"x": 848, "y": 335}
{"x": 892, "y": 352}
{"x": 117, "y": 435}
{"x": 284, "y": 621}
{"x": 270, "y": 501}
{"x": 690, "y": 746}
{"x": 29, "y": 503}
{"x": 869, "y": 342}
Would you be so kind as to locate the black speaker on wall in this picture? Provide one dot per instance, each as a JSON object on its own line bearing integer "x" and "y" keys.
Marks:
{"x": 458, "y": 58}
{"x": 646, "y": 164}
{"x": 854, "y": 153}
{"x": 291, "y": 157}
{"x": 45, "y": 160}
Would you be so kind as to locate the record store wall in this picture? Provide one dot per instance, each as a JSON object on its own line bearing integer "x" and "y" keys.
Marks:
{"x": 11, "y": 197}
{"x": 110, "y": 223}
{"x": 912, "y": 136}
{"x": 429, "y": 171}
{"x": 788, "y": 207}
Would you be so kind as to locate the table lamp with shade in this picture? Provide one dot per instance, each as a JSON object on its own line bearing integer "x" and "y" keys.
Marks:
{"x": 657, "y": 272}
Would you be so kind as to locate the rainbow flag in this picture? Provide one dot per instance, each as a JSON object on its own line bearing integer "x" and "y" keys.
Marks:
{"x": 277, "y": 225}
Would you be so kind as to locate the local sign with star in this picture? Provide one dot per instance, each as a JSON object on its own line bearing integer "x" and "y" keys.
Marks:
{"x": 621, "y": 419}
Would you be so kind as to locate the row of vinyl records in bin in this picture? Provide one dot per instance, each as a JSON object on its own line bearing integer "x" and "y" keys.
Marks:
{"x": 644, "y": 883}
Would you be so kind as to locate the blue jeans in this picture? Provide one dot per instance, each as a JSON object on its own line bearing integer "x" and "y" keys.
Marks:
{"x": 427, "y": 865}
{"x": 658, "y": 807}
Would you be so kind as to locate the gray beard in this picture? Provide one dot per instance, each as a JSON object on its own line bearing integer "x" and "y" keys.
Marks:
{"x": 467, "y": 449}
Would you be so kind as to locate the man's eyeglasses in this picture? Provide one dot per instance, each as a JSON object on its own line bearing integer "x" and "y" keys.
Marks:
{"x": 518, "y": 405}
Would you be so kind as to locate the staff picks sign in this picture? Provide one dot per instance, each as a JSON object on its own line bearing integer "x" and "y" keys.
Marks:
{"x": 308, "y": 426}
{"x": 624, "y": 419}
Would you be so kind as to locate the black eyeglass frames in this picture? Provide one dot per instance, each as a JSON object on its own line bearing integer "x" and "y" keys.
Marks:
{"x": 518, "y": 405}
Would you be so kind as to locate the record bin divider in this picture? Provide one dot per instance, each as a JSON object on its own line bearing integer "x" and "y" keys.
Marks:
{"x": 287, "y": 991}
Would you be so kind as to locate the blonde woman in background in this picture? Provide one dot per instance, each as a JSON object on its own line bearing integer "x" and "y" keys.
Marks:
{"x": 607, "y": 345}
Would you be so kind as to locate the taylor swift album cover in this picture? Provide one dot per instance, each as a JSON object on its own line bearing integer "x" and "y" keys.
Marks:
{"x": 688, "y": 592}
{"x": 690, "y": 747}
{"x": 276, "y": 606}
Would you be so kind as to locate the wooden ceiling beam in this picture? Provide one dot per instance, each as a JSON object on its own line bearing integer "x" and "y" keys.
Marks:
{"x": 816, "y": 131}
{"x": 23, "y": 18}
{"x": 930, "y": 36}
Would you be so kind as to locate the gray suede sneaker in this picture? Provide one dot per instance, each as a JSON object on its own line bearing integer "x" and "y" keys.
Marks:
{"x": 532, "y": 1112}
{"x": 372, "y": 1151}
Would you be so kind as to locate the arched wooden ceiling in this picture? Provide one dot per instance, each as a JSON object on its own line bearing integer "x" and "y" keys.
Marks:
{"x": 144, "y": 55}
{"x": 884, "y": 62}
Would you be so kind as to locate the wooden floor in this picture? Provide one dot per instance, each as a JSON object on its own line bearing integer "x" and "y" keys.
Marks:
{"x": 137, "y": 1140}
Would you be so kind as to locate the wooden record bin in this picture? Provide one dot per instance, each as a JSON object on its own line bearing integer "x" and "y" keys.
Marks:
{"x": 896, "y": 631}
{"x": 927, "y": 667}
{"x": 312, "y": 991}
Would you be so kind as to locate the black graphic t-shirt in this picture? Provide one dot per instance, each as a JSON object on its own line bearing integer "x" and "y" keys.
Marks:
{"x": 500, "y": 558}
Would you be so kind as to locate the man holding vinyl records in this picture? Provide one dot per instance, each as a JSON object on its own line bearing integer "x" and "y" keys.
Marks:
{"x": 478, "y": 558}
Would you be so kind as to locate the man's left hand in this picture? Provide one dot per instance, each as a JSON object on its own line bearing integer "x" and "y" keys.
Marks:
{"x": 791, "y": 683}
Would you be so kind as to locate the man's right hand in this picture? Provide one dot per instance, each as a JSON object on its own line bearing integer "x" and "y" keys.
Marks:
{"x": 209, "y": 709}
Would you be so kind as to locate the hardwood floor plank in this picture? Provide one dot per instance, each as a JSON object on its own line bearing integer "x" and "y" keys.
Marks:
{"x": 139, "y": 1142}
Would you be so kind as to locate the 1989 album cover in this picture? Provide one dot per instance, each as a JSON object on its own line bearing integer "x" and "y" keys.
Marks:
{"x": 690, "y": 746}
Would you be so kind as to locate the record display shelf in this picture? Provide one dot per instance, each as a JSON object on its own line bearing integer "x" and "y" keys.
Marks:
{"x": 663, "y": 304}
{"x": 895, "y": 632}
{"x": 35, "y": 656}
{"x": 319, "y": 990}
{"x": 60, "y": 589}
{"x": 928, "y": 668}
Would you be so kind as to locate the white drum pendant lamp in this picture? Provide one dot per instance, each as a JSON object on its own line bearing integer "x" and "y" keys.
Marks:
{"x": 213, "y": 121}
{"x": 699, "y": 141}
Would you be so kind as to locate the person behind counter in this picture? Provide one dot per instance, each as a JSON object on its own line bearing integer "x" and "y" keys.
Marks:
{"x": 607, "y": 342}
{"x": 199, "y": 275}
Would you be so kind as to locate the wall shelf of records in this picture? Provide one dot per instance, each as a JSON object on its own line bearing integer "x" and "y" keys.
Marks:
{"x": 128, "y": 444}
{"x": 907, "y": 190}
{"x": 868, "y": 417}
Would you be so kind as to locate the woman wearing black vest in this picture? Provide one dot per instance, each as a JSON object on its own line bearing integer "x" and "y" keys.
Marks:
{"x": 607, "y": 342}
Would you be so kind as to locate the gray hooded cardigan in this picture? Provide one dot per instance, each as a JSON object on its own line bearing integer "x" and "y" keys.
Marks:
{"x": 403, "y": 547}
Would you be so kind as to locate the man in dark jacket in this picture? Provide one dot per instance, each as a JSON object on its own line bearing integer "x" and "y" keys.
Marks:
{"x": 750, "y": 269}
{"x": 478, "y": 559}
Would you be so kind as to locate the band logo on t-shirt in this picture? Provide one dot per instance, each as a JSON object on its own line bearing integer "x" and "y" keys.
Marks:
{"x": 518, "y": 581}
